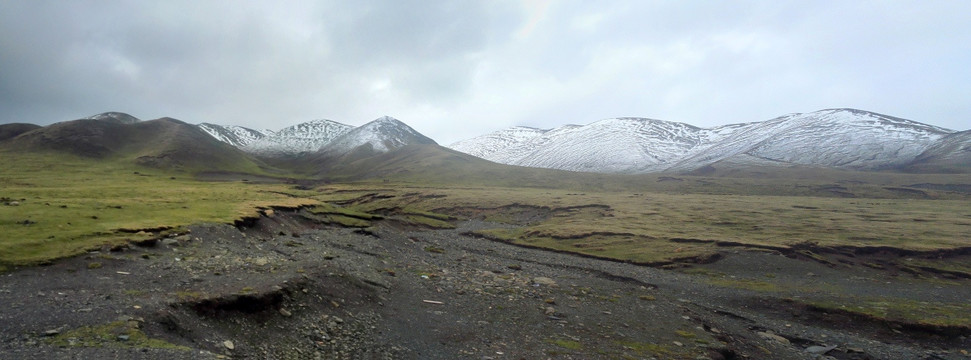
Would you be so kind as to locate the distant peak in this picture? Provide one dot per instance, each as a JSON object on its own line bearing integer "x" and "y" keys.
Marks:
{"x": 320, "y": 121}
{"x": 387, "y": 118}
{"x": 114, "y": 116}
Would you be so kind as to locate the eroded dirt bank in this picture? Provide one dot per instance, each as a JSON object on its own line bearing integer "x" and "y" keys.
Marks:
{"x": 285, "y": 287}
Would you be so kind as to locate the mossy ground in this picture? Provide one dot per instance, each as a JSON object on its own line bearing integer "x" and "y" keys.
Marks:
{"x": 77, "y": 204}
{"x": 114, "y": 334}
{"x": 658, "y": 227}
{"x": 901, "y": 310}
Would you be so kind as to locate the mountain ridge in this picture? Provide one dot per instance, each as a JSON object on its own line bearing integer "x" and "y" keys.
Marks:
{"x": 161, "y": 143}
{"x": 839, "y": 138}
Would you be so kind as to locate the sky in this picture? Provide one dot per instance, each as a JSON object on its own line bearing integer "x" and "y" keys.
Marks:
{"x": 461, "y": 68}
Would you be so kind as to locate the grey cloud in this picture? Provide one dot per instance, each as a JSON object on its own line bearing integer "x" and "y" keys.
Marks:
{"x": 455, "y": 69}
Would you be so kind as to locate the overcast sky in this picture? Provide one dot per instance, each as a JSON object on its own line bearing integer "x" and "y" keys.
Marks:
{"x": 457, "y": 69}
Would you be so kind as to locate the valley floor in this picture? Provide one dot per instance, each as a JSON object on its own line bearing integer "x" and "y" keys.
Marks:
{"x": 285, "y": 287}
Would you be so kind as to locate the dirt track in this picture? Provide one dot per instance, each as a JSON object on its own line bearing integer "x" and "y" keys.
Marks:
{"x": 284, "y": 287}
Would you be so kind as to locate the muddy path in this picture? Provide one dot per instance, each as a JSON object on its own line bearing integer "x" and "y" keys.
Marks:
{"x": 285, "y": 287}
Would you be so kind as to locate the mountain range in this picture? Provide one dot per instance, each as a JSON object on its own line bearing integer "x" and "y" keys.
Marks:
{"x": 845, "y": 139}
{"x": 834, "y": 138}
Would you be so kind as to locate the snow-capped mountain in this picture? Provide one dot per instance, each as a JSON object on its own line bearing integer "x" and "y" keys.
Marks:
{"x": 381, "y": 135}
{"x": 501, "y": 143}
{"x": 115, "y": 117}
{"x": 620, "y": 145}
{"x": 635, "y": 145}
{"x": 237, "y": 136}
{"x": 306, "y": 137}
{"x": 842, "y": 138}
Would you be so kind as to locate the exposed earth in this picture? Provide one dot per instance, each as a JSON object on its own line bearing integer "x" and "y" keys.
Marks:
{"x": 287, "y": 287}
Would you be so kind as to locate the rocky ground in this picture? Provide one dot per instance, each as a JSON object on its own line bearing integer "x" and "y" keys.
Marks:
{"x": 286, "y": 287}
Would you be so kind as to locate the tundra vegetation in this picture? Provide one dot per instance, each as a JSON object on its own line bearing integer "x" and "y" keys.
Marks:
{"x": 56, "y": 205}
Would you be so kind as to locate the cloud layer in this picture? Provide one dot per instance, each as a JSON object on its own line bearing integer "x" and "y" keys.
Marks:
{"x": 456, "y": 69}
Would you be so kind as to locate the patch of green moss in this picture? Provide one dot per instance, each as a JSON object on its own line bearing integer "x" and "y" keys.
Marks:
{"x": 119, "y": 334}
{"x": 566, "y": 344}
{"x": 901, "y": 310}
{"x": 434, "y": 249}
{"x": 327, "y": 209}
{"x": 421, "y": 220}
{"x": 188, "y": 295}
{"x": 685, "y": 333}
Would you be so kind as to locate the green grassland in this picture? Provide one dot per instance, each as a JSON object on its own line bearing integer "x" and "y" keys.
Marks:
{"x": 70, "y": 204}
{"x": 79, "y": 204}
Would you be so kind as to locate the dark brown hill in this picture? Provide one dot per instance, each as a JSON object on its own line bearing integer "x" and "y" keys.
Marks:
{"x": 163, "y": 143}
{"x": 10, "y": 131}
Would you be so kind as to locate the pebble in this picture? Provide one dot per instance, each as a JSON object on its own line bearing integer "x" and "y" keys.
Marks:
{"x": 544, "y": 281}
{"x": 771, "y": 336}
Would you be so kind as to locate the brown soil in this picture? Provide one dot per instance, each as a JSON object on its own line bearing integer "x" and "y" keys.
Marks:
{"x": 286, "y": 287}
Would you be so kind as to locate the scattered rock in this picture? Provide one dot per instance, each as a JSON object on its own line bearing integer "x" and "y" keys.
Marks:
{"x": 123, "y": 337}
{"x": 52, "y": 332}
{"x": 544, "y": 281}
{"x": 285, "y": 312}
{"x": 774, "y": 337}
{"x": 820, "y": 350}
{"x": 229, "y": 344}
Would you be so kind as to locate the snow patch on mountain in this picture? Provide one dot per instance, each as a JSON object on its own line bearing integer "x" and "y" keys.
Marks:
{"x": 613, "y": 145}
{"x": 237, "y": 136}
{"x": 115, "y": 117}
{"x": 500, "y": 142}
{"x": 381, "y": 135}
{"x": 842, "y": 138}
{"x": 305, "y": 137}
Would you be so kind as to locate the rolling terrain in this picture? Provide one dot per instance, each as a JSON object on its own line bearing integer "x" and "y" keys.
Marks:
{"x": 162, "y": 143}
{"x": 153, "y": 239}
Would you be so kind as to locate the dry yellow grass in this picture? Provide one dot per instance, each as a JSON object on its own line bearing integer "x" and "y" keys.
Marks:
{"x": 640, "y": 226}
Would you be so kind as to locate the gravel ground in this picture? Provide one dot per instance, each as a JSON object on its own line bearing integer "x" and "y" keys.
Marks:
{"x": 284, "y": 287}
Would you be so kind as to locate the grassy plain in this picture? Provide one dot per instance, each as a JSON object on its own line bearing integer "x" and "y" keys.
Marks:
{"x": 69, "y": 204}
{"x": 66, "y": 205}
{"x": 652, "y": 227}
